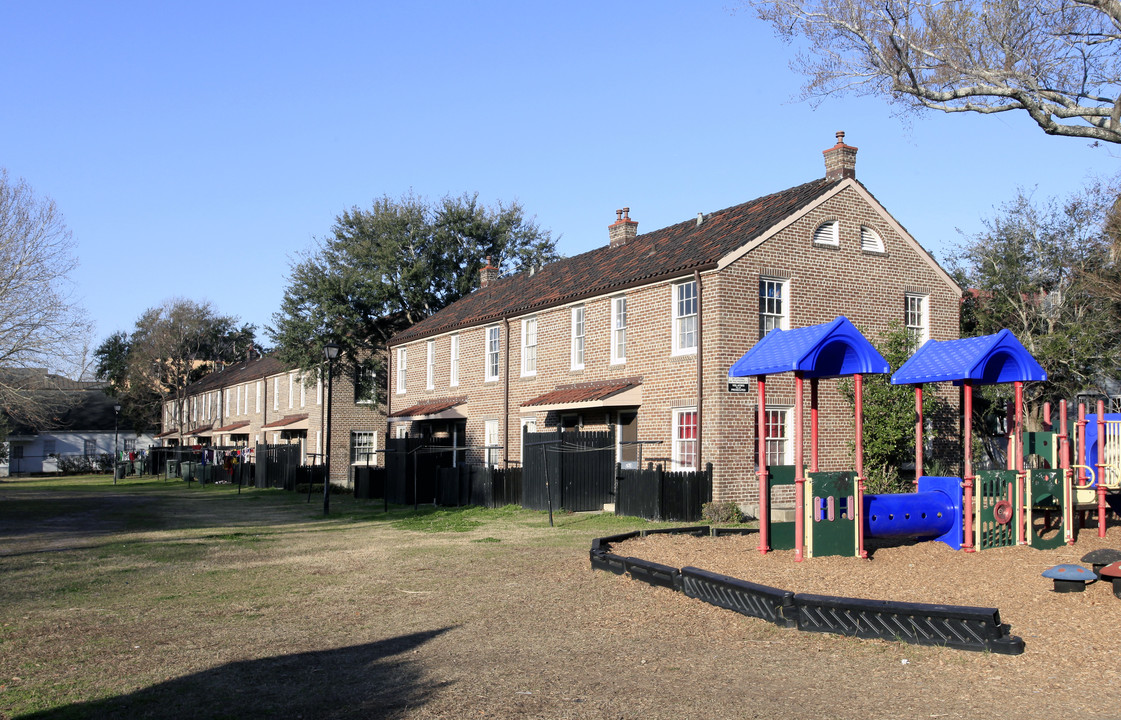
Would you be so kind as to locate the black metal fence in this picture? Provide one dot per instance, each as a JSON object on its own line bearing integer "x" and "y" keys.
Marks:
{"x": 658, "y": 495}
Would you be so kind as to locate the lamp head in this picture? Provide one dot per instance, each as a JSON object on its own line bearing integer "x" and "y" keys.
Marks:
{"x": 331, "y": 350}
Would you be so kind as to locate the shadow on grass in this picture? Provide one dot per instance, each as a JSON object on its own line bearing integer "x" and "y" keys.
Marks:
{"x": 375, "y": 680}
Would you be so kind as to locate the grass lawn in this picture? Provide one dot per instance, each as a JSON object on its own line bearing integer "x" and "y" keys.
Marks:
{"x": 152, "y": 599}
{"x": 147, "y": 597}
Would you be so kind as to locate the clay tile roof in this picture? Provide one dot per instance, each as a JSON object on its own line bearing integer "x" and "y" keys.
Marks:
{"x": 671, "y": 252}
{"x": 430, "y": 408}
{"x": 584, "y": 392}
{"x": 286, "y": 420}
{"x": 232, "y": 426}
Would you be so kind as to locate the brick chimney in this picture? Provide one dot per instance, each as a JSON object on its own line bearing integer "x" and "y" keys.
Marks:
{"x": 487, "y": 274}
{"x": 840, "y": 160}
{"x": 623, "y": 229}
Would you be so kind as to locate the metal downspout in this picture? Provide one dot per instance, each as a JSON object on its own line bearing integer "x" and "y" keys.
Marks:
{"x": 700, "y": 372}
{"x": 506, "y": 401}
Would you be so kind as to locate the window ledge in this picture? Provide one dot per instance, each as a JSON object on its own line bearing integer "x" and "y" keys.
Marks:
{"x": 827, "y": 246}
{"x": 877, "y": 253}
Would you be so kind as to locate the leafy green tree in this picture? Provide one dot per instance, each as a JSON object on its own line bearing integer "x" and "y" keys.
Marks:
{"x": 1043, "y": 269}
{"x": 385, "y": 268}
{"x": 171, "y": 346}
{"x": 889, "y": 415}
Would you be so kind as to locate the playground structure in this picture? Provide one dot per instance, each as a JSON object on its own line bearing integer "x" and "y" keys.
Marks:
{"x": 1077, "y": 463}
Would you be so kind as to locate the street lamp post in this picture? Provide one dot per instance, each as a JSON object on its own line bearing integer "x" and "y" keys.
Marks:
{"x": 116, "y": 428}
{"x": 330, "y": 352}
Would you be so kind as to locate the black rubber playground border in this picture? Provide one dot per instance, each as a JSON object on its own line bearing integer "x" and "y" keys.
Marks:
{"x": 956, "y": 626}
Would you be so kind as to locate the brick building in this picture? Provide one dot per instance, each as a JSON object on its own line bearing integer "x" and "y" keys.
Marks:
{"x": 266, "y": 401}
{"x": 639, "y": 335}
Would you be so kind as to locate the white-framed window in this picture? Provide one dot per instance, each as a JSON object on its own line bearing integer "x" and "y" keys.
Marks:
{"x": 401, "y": 431}
{"x": 303, "y": 390}
{"x": 402, "y": 369}
{"x": 453, "y": 356}
{"x": 780, "y": 449}
{"x": 828, "y": 233}
{"x": 291, "y": 390}
{"x": 618, "y": 330}
{"x": 194, "y": 408}
{"x": 774, "y": 305}
{"x": 319, "y": 386}
{"x": 685, "y": 439}
{"x": 491, "y": 355}
{"x": 206, "y": 408}
{"x": 89, "y": 447}
{"x": 260, "y": 391}
{"x": 229, "y": 402}
{"x": 529, "y": 346}
{"x": 490, "y": 439}
{"x": 127, "y": 444}
{"x": 916, "y": 317}
{"x": 430, "y": 364}
{"x": 870, "y": 240}
{"x": 237, "y": 408}
{"x": 276, "y": 393}
{"x": 685, "y": 318}
{"x": 365, "y": 387}
{"x": 363, "y": 447}
{"x": 577, "y": 353}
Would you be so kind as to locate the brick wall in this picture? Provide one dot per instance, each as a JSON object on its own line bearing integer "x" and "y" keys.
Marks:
{"x": 824, "y": 281}
{"x": 284, "y": 395}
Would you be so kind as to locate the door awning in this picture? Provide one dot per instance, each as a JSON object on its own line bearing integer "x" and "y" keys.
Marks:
{"x": 445, "y": 409}
{"x": 231, "y": 427}
{"x": 289, "y": 422}
{"x": 624, "y": 392}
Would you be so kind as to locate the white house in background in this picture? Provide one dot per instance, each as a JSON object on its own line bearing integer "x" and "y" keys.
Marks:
{"x": 84, "y": 426}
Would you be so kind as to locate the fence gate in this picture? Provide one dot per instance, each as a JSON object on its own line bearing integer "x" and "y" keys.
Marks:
{"x": 277, "y": 466}
{"x": 412, "y": 467}
{"x": 579, "y": 466}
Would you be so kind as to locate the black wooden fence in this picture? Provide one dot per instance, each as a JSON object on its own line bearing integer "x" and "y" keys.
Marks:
{"x": 658, "y": 495}
{"x": 571, "y": 470}
{"x": 412, "y": 466}
{"x": 278, "y": 466}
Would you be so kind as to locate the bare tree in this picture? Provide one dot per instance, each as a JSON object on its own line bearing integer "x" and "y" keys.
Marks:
{"x": 42, "y": 327}
{"x": 1053, "y": 59}
{"x": 172, "y": 346}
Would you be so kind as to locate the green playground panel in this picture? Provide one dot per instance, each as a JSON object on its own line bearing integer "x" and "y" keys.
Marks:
{"x": 1047, "y": 509}
{"x": 993, "y": 486}
{"x": 836, "y": 536}
{"x": 781, "y": 533}
{"x": 1041, "y": 444}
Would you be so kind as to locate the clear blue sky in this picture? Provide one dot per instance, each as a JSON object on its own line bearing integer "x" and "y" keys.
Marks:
{"x": 194, "y": 148}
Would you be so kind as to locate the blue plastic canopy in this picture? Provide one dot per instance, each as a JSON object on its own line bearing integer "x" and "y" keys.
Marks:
{"x": 832, "y": 349}
{"x": 985, "y": 360}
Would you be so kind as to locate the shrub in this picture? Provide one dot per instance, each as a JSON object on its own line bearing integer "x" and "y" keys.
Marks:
{"x": 725, "y": 512}
{"x": 885, "y": 479}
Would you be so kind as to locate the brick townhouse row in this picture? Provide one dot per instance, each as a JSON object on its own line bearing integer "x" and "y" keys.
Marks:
{"x": 639, "y": 334}
{"x": 265, "y": 401}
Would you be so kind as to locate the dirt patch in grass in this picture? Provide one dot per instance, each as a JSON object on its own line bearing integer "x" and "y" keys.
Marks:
{"x": 284, "y": 613}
